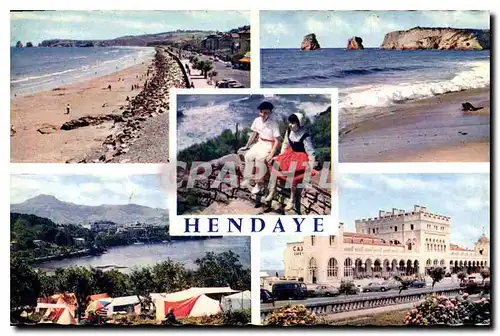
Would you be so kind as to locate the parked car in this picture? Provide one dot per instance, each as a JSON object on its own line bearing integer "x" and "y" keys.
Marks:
{"x": 266, "y": 296}
{"x": 380, "y": 287}
{"x": 289, "y": 290}
{"x": 418, "y": 284}
{"x": 325, "y": 290}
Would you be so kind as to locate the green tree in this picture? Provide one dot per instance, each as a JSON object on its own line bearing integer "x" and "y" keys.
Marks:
{"x": 170, "y": 276}
{"x": 113, "y": 283}
{"x": 437, "y": 274}
{"x": 485, "y": 274}
{"x": 206, "y": 67}
{"x": 77, "y": 280}
{"x": 24, "y": 287}
{"x": 347, "y": 287}
{"x": 461, "y": 276}
{"x": 223, "y": 269}
{"x": 142, "y": 283}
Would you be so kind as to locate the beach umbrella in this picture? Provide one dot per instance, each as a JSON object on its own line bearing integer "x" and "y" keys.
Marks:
{"x": 98, "y": 304}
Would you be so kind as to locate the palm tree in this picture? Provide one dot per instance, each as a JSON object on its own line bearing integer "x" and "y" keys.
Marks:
{"x": 206, "y": 67}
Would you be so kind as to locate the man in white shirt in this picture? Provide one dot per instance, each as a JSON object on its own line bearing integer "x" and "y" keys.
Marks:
{"x": 266, "y": 131}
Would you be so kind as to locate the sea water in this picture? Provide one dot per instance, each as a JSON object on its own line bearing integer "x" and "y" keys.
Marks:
{"x": 40, "y": 69}
{"x": 202, "y": 117}
{"x": 376, "y": 78}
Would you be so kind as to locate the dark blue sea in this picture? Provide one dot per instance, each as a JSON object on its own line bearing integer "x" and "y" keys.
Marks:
{"x": 201, "y": 117}
{"x": 373, "y": 77}
{"x": 40, "y": 69}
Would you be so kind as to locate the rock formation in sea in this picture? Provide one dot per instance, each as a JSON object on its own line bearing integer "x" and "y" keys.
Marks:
{"x": 19, "y": 44}
{"x": 29, "y": 45}
{"x": 310, "y": 42}
{"x": 437, "y": 38}
{"x": 355, "y": 43}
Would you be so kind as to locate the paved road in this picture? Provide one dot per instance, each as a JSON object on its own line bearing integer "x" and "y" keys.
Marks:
{"x": 365, "y": 295}
{"x": 241, "y": 76}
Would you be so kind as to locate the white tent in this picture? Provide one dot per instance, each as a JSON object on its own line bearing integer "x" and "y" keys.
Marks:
{"x": 238, "y": 301}
{"x": 185, "y": 303}
{"x": 124, "y": 303}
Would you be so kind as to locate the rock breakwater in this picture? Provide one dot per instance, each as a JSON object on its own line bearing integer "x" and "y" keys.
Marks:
{"x": 152, "y": 101}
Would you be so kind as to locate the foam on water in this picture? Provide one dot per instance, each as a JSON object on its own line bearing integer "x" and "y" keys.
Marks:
{"x": 476, "y": 76}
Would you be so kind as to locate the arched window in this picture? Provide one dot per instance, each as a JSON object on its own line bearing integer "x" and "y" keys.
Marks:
{"x": 332, "y": 270}
{"x": 395, "y": 229}
{"x": 373, "y": 230}
{"x": 312, "y": 270}
{"x": 411, "y": 227}
{"x": 332, "y": 240}
{"x": 348, "y": 271}
{"x": 313, "y": 239}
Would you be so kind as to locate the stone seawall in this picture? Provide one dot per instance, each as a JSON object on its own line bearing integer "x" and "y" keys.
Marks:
{"x": 187, "y": 83}
{"x": 205, "y": 191}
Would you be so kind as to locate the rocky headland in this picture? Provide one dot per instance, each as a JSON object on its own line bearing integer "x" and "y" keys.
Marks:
{"x": 310, "y": 43}
{"x": 437, "y": 38}
{"x": 355, "y": 43}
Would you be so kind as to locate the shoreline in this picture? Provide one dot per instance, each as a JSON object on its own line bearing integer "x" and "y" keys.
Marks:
{"x": 426, "y": 130}
{"x": 101, "y": 124}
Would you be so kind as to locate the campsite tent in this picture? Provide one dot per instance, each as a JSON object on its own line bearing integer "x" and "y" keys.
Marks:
{"x": 59, "y": 313}
{"x": 124, "y": 304}
{"x": 238, "y": 301}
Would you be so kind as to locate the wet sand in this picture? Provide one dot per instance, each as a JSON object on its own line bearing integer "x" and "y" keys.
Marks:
{"x": 428, "y": 130}
{"x": 29, "y": 113}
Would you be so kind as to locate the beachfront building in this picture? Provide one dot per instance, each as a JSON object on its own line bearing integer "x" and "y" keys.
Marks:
{"x": 395, "y": 242}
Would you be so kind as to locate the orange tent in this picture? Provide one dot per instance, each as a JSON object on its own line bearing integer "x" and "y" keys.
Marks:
{"x": 98, "y": 296}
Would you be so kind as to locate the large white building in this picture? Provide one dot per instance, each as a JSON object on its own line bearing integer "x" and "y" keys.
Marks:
{"x": 395, "y": 242}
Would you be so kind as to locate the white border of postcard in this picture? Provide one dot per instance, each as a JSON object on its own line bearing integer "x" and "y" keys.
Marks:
{"x": 327, "y": 224}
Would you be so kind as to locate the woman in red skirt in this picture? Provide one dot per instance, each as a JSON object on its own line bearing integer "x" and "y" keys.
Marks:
{"x": 297, "y": 155}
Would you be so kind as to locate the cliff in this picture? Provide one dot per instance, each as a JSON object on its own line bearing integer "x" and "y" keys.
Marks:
{"x": 355, "y": 43}
{"x": 437, "y": 38}
{"x": 136, "y": 40}
{"x": 310, "y": 43}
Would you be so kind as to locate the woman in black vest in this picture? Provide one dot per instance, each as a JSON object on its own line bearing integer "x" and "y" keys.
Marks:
{"x": 298, "y": 152}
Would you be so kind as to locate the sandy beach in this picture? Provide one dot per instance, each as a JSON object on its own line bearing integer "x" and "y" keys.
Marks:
{"x": 30, "y": 113}
{"x": 102, "y": 125}
{"x": 427, "y": 130}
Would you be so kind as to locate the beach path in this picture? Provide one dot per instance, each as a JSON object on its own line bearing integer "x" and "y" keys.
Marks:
{"x": 31, "y": 112}
{"x": 428, "y": 130}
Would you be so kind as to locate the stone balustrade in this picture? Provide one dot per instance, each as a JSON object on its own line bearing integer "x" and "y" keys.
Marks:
{"x": 366, "y": 302}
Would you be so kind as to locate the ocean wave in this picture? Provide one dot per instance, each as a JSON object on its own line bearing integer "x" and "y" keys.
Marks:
{"x": 476, "y": 76}
{"x": 25, "y": 79}
{"x": 338, "y": 74}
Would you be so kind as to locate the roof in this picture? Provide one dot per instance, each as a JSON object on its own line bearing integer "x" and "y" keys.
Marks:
{"x": 483, "y": 240}
{"x": 455, "y": 247}
{"x": 124, "y": 301}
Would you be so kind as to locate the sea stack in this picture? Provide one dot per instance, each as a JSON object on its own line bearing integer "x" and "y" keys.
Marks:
{"x": 19, "y": 44}
{"x": 310, "y": 42}
{"x": 355, "y": 43}
{"x": 437, "y": 38}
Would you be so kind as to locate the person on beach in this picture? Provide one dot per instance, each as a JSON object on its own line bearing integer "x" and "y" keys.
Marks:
{"x": 132, "y": 89}
{"x": 267, "y": 133}
{"x": 297, "y": 155}
{"x": 109, "y": 87}
{"x": 192, "y": 85}
{"x": 68, "y": 108}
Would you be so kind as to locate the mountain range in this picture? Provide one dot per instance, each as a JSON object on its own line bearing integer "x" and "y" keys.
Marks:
{"x": 61, "y": 212}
